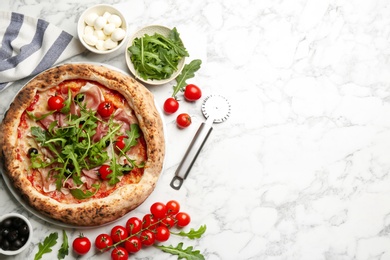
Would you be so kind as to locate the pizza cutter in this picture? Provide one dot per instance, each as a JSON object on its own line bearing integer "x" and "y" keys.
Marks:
{"x": 216, "y": 109}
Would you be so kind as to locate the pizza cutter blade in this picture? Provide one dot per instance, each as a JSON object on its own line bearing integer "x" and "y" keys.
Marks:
{"x": 216, "y": 109}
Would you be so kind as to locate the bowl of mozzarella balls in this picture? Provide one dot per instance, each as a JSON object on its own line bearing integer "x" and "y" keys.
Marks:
{"x": 102, "y": 29}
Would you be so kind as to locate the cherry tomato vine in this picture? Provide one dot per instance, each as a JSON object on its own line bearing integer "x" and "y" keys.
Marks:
{"x": 154, "y": 228}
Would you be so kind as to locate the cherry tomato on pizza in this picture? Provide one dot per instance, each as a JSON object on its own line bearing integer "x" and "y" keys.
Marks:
{"x": 192, "y": 92}
{"x": 55, "y": 103}
{"x": 103, "y": 241}
{"x": 119, "y": 253}
{"x": 120, "y": 143}
{"x": 171, "y": 105}
{"x": 182, "y": 219}
{"x": 105, "y": 109}
{"x": 81, "y": 245}
{"x": 183, "y": 120}
{"x": 104, "y": 171}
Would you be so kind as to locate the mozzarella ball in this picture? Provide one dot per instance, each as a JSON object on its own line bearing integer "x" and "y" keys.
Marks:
{"x": 110, "y": 44}
{"x": 115, "y": 19}
{"x": 100, "y": 34}
{"x": 106, "y": 15}
{"x": 90, "y": 39}
{"x": 100, "y": 45}
{"x": 100, "y": 22}
{"x": 109, "y": 28}
{"x": 90, "y": 19}
{"x": 118, "y": 34}
{"x": 88, "y": 30}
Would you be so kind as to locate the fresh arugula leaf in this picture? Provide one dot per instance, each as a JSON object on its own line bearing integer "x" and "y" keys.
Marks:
{"x": 132, "y": 135}
{"x": 39, "y": 133}
{"x": 187, "y": 73}
{"x": 35, "y": 118}
{"x": 64, "y": 250}
{"x": 187, "y": 253}
{"x": 80, "y": 194}
{"x": 46, "y": 246}
{"x": 192, "y": 234}
{"x": 67, "y": 103}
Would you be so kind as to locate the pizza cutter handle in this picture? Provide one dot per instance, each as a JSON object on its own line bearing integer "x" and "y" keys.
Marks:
{"x": 191, "y": 154}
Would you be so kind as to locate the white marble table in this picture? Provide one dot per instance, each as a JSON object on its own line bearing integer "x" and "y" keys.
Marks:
{"x": 300, "y": 170}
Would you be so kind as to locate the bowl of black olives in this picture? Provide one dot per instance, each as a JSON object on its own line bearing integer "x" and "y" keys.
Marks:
{"x": 15, "y": 233}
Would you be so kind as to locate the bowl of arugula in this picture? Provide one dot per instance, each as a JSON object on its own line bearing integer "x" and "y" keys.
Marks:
{"x": 156, "y": 54}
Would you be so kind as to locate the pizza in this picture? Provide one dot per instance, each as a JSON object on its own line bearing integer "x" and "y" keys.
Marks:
{"x": 83, "y": 144}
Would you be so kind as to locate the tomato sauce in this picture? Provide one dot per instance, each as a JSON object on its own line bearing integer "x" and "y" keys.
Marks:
{"x": 31, "y": 107}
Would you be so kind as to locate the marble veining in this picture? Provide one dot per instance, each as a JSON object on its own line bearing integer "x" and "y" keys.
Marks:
{"x": 300, "y": 170}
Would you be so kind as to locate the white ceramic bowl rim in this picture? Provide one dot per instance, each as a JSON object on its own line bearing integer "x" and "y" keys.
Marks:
{"x": 100, "y": 9}
{"x": 17, "y": 215}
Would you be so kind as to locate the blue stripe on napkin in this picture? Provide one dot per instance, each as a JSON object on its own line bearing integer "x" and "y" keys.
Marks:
{"x": 10, "y": 34}
{"x": 54, "y": 52}
{"x": 30, "y": 46}
{"x": 27, "y": 50}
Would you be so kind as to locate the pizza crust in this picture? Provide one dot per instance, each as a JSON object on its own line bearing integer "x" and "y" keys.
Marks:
{"x": 122, "y": 200}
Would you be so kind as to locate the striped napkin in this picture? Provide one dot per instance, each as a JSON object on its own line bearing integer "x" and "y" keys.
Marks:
{"x": 30, "y": 46}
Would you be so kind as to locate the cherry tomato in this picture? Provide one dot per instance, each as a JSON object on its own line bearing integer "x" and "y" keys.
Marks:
{"x": 183, "y": 120}
{"x": 55, "y": 103}
{"x": 81, "y": 245}
{"x": 192, "y": 92}
{"x": 118, "y": 233}
{"x": 103, "y": 241}
{"x": 120, "y": 143}
{"x": 133, "y": 244}
{"x": 119, "y": 253}
{"x": 171, "y": 105}
{"x": 147, "y": 238}
{"x": 168, "y": 222}
{"x": 182, "y": 219}
{"x": 149, "y": 222}
{"x": 105, "y": 109}
{"x": 162, "y": 234}
{"x": 173, "y": 207}
{"x": 104, "y": 171}
{"x": 133, "y": 225}
{"x": 158, "y": 210}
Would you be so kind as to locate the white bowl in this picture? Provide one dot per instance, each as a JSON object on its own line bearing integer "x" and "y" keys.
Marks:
{"x": 151, "y": 30}
{"x": 100, "y": 10}
{"x": 15, "y": 252}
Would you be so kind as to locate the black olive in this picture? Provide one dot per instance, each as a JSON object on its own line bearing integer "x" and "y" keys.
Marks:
{"x": 107, "y": 143}
{"x": 5, "y": 244}
{"x": 69, "y": 169}
{"x": 6, "y": 222}
{"x": 5, "y": 231}
{"x": 32, "y": 151}
{"x": 12, "y": 235}
{"x": 17, "y": 222}
{"x": 23, "y": 230}
{"x": 23, "y": 239}
{"x": 126, "y": 169}
{"x": 17, "y": 244}
{"x": 79, "y": 97}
